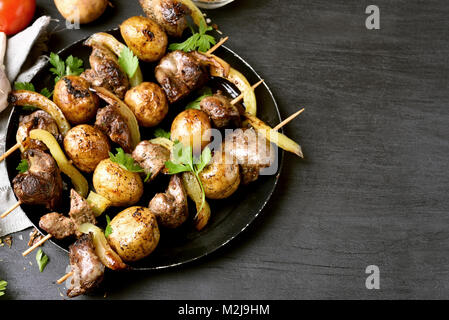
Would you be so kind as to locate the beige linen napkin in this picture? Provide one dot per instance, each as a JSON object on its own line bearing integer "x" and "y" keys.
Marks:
{"x": 17, "y": 52}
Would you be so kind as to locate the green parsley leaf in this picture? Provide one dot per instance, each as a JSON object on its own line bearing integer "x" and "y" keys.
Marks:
{"x": 71, "y": 67}
{"x": 23, "y": 166}
{"x": 198, "y": 41}
{"x": 161, "y": 133}
{"x": 128, "y": 62}
{"x": 125, "y": 161}
{"x": 205, "y": 158}
{"x": 108, "y": 229}
{"x": 205, "y": 92}
{"x": 74, "y": 66}
{"x": 29, "y": 108}
{"x": 24, "y": 86}
{"x": 174, "y": 168}
{"x": 3, "y": 285}
{"x": 59, "y": 66}
{"x": 147, "y": 177}
{"x": 42, "y": 259}
{"x": 30, "y": 87}
{"x": 46, "y": 93}
{"x": 183, "y": 162}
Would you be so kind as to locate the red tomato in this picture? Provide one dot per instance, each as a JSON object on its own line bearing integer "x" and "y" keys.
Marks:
{"x": 16, "y": 15}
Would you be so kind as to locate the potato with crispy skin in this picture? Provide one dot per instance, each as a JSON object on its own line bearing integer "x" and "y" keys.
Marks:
{"x": 220, "y": 178}
{"x": 82, "y": 11}
{"x": 145, "y": 38}
{"x": 148, "y": 102}
{"x": 86, "y": 146}
{"x": 192, "y": 128}
{"x": 73, "y": 97}
{"x": 135, "y": 233}
{"x": 118, "y": 185}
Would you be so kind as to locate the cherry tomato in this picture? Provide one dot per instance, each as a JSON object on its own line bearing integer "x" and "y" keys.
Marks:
{"x": 16, "y": 15}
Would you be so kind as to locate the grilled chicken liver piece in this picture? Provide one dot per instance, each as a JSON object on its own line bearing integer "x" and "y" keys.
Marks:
{"x": 88, "y": 271}
{"x": 106, "y": 71}
{"x": 111, "y": 123}
{"x": 251, "y": 151}
{"x": 170, "y": 207}
{"x": 169, "y": 14}
{"x": 180, "y": 73}
{"x": 80, "y": 211}
{"x": 37, "y": 120}
{"x": 151, "y": 157}
{"x": 58, "y": 225}
{"x": 42, "y": 183}
{"x": 220, "y": 110}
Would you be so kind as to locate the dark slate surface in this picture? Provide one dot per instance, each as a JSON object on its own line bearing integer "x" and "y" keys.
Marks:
{"x": 373, "y": 187}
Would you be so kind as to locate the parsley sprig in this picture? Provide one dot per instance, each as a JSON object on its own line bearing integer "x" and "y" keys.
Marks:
{"x": 30, "y": 87}
{"x": 128, "y": 62}
{"x": 72, "y": 66}
{"x": 42, "y": 260}
{"x": 161, "y": 133}
{"x": 127, "y": 162}
{"x": 3, "y": 285}
{"x": 205, "y": 92}
{"x": 108, "y": 229}
{"x": 198, "y": 41}
{"x": 184, "y": 161}
{"x": 23, "y": 166}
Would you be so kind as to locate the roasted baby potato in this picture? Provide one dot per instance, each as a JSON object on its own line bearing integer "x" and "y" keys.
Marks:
{"x": 82, "y": 11}
{"x": 118, "y": 185}
{"x": 220, "y": 179}
{"x": 148, "y": 102}
{"x": 192, "y": 127}
{"x": 73, "y": 97}
{"x": 145, "y": 38}
{"x": 86, "y": 146}
{"x": 135, "y": 233}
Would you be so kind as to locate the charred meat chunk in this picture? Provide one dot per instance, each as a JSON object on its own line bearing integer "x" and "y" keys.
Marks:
{"x": 80, "y": 211}
{"x": 37, "y": 120}
{"x": 151, "y": 157}
{"x": 106, "y": 71}
{"x": 170, "y": 207}
{"x": 88, "y": 271}
{"x": 58, "y": 225}
{"x": 42, "y": 183}
{"x": 221, "y": 111}
{"x": 169, "y": 14}
{"x": 180, "y": 73}
{"x": 111, "y": 123}
{"x": 251, "y": 151}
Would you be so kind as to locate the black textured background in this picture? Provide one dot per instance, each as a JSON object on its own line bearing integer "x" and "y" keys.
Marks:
{"x": 373, "y": 188}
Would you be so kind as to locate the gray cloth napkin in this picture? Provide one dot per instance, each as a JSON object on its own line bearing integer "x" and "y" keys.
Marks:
{"x": 20, "y": 48}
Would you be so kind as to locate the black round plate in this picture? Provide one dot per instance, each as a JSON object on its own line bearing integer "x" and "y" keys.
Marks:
{"x": 229, "y": 216}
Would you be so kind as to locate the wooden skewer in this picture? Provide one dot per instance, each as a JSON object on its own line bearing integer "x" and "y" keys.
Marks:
{"x": 293, "y": 116}
{"x": 240, "y": 97}
{"x": 36, "y": 245}
{"x": 14, "y": 207}
{"x": 11, "y": 150}
{"x": 64, "y": 277}
{"x": 219, "y": 43}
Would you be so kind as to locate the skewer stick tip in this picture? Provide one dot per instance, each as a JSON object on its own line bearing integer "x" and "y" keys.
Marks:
{"x": 36, "y": 245}
{"x": 240, "y": 97}
{"x": 293, "y": 116}
{"x": 14, "y": 207}
{"x": 8, "y": 152}
{"x": 64, "y": 277}
{"x": 217, "y": 45}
